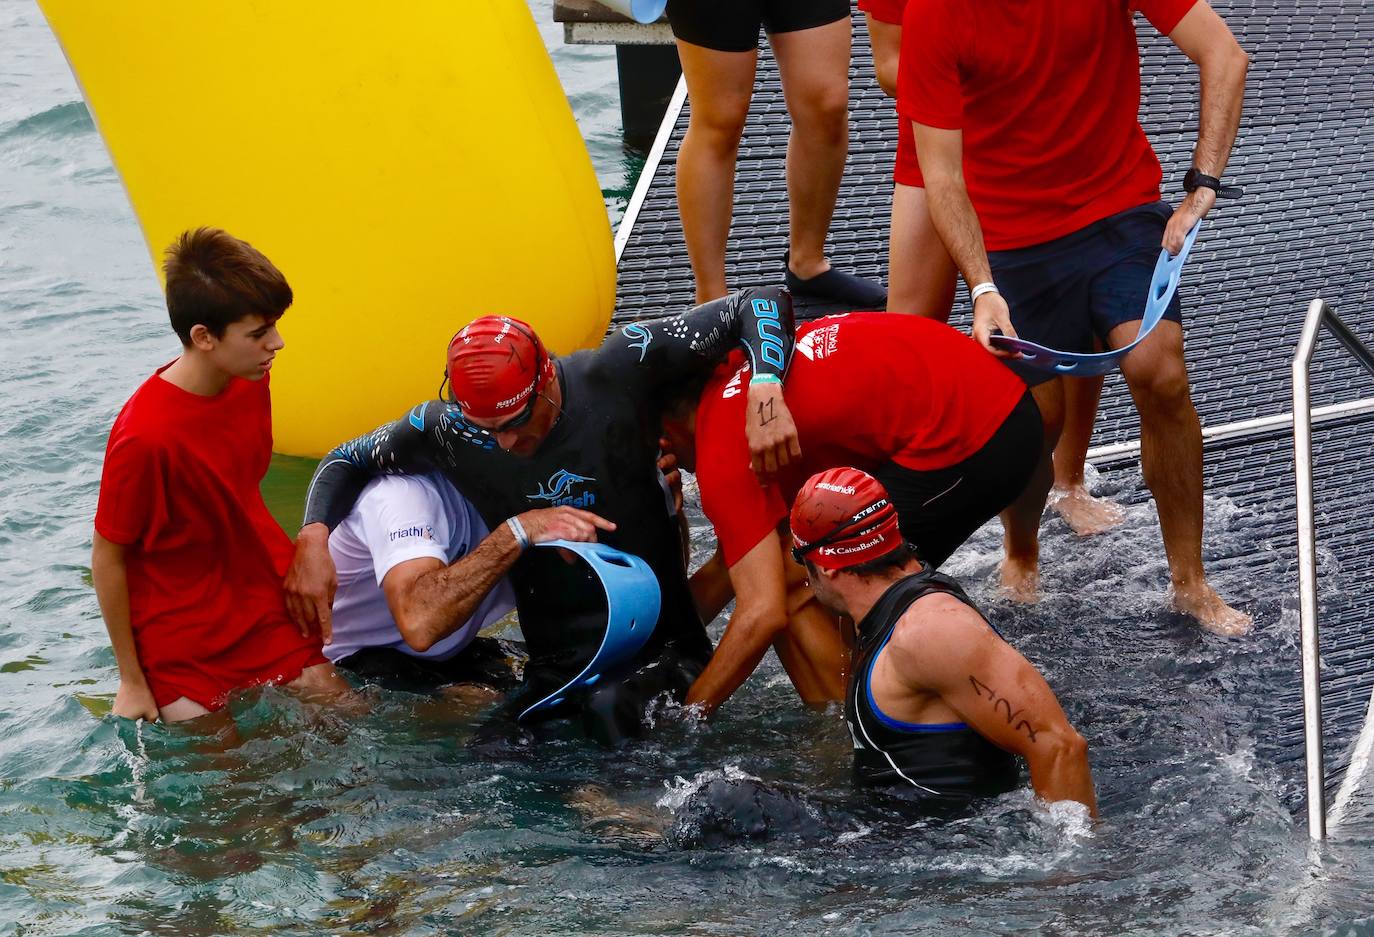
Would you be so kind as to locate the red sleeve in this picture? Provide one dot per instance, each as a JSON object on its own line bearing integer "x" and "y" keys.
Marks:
{"x": 928, "y": 87}
{"x": 1164, "y": 15}
{"x": 129, "y": 486}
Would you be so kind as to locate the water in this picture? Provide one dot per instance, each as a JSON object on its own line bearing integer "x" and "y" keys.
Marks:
{"x": 382, "y": 820}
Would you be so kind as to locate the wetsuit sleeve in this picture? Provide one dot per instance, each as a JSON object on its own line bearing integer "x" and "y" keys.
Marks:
{"x": 399, "y": 448}
{"x": 665, "y": 352}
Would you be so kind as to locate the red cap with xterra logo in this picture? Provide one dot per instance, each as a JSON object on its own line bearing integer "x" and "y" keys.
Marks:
{"x": 843, "y": 517}
{"x": 496, "y": 365}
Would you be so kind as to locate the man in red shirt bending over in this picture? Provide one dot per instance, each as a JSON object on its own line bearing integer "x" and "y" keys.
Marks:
{"x": 187, "y": 562}
{"x": 1045, "y": 190}
{"x": 953, "y": 435}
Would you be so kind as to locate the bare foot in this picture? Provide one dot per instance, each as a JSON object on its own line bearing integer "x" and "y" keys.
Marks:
{"x": 1211, "y": 611}
{"x": 1020, "y": 581}
{"x": 1085, "y": 514}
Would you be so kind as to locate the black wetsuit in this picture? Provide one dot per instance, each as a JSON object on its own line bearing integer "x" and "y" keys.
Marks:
{"x": 600, "y": 456}
{"x": 945, "y": 765}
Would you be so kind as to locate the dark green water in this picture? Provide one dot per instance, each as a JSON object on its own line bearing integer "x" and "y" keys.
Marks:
{"x": 384, "y": 820}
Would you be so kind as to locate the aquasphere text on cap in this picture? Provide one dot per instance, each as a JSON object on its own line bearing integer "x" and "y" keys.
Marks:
{"x": 495, "y": 365}
{"x": 843, "y": 517}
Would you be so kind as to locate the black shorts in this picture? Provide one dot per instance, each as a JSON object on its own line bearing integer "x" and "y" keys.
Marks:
{"x": 1065, "y": 293}
{"x": 733, "y": 25}
{"x": 489, "y": 661}
{"x": 939, "y": 509}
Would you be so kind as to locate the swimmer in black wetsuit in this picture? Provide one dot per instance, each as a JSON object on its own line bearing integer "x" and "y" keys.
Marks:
{"x": 525, "y": 430}
{"x": 938, "y": 703}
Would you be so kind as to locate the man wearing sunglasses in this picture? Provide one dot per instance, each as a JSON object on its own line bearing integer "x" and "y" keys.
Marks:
{"x": 524, "y": 430}
{"x": 938, "y": 704}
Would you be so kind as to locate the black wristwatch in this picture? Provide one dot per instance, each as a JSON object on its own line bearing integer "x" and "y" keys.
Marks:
{"x": 1193, "y": 179}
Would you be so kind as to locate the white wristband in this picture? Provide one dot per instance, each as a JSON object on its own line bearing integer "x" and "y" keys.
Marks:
{"x": 518, "y": 530}
{"x": 982, "y": 289}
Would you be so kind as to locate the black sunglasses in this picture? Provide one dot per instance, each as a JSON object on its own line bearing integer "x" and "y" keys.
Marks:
{"x": 799, "y": 553}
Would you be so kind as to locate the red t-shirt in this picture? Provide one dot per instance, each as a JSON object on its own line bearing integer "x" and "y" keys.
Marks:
{"x": 864, "y": 389}
{"x": 1046, "y": 93}
{"x": 205, "y": 559}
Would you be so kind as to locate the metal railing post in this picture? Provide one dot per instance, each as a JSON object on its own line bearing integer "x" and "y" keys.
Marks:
{"x": 1307, "y": 572}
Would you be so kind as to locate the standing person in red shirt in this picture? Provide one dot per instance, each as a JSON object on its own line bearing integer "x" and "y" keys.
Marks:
{"x": 921, "y": 280}
{"x": 187, "y": 562}
{"x": 953, "y": 435}
{"x": 1046, "y": 193}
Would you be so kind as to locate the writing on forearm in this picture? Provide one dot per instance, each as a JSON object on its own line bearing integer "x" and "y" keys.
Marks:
{"x": 1005, "y": 707}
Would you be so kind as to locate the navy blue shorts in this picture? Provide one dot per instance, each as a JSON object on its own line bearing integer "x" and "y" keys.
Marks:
{"x": 1065, "y": 293}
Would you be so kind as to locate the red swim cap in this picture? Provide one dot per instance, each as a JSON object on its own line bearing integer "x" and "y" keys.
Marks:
{"x": 843, "y": 517}
{"x": 495, "y": 365}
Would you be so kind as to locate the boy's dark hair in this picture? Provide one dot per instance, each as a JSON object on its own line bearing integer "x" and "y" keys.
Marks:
{"x": 214, "y": 279}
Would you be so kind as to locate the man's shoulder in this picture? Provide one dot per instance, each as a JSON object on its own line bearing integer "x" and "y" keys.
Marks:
{"x": 935, "y": 614}
{"x": 409, "y": 490}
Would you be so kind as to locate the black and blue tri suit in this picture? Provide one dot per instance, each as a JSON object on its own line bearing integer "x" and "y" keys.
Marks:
{"x": 601, "y": 456}
{"x": 943, "y": 766}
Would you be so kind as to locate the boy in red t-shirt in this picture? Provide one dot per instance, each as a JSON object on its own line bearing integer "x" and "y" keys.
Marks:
{"x": 187, "y": 561}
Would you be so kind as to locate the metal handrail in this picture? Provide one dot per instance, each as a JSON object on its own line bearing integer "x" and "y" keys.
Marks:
{"x": 1319, "y": 314}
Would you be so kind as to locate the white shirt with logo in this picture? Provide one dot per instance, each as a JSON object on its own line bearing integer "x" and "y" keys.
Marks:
{"x": 399, "y": 518}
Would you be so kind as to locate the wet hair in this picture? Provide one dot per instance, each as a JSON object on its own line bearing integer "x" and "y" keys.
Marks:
{"x": 681, "y": 400}
{"x": 881, "y": 566}
{"x": 214, "y": 279}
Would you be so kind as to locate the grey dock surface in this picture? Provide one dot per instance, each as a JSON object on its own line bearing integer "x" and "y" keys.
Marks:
{"x": 1305, "y": 156}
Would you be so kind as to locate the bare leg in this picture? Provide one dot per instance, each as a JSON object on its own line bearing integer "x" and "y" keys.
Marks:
{"x": 920, "y": 273}
{"x": 814, "y": 67}
{"x": 181, "y": 709}
{"x": 1021, "y": 521}
{"x": 719, "y": 85}
{"x": 1171, "y": 460}
{"x": 320, "y": 682}
{"x": 1085, "y": 514}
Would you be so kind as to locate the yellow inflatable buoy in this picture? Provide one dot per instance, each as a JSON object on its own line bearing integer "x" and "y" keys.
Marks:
{"x": 408, "y": 167}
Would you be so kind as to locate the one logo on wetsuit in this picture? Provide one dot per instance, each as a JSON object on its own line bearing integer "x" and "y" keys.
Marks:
{"x": 425, "y": 532}
{"x": 770, "y": 332}
{"x": 559, "y": 490}
{"x": 819, "y": 343}
{"x": 641, "y": 336}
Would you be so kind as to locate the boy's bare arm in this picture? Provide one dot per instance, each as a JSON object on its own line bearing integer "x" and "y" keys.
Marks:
{"x": 133, "y": 700}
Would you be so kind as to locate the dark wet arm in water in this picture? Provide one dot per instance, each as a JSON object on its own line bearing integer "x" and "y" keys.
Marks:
{"x": 399, "y": 448}
{"x": 760, "y": 616}
{"x": 943, "y": 646}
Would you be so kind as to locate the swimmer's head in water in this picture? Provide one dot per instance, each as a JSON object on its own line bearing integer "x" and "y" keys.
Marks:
{"x": 843, "y": 517}
{"x": 496, "y": 367}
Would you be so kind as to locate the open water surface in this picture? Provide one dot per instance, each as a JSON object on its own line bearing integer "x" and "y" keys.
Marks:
{"x": 383, "y": 820}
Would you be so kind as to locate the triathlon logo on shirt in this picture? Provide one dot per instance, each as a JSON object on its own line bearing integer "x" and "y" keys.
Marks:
{"x": 819, "y": 343}
{"x": 565, "y": 488}
{"x": 422, "y": 531}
